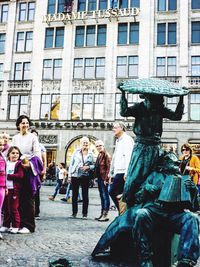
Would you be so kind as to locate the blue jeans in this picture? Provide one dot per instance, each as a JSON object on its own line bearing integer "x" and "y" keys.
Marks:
{"x": 58, "y": 186}
{"x": 185, "y": 224}
{"x": 69, "y": 188}
{"x": 104, "y": 195}
{"x": 116, "y": 188}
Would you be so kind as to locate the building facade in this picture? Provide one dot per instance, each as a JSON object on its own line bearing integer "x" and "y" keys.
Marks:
{"x": 61, "y": 62}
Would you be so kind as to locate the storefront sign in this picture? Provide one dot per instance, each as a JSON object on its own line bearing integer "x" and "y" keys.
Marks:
{"x": 96, "y": 14}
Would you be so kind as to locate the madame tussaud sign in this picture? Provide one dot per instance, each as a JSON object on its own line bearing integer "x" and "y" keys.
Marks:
{"x": 96, "y": 14}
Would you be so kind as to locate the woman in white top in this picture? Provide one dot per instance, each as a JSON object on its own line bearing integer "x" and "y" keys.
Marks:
{"x": 29, "y": 146}
{"x": 61, "y": 176}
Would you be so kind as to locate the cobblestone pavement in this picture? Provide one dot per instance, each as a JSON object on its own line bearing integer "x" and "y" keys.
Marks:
{"x": 58, "y": 235}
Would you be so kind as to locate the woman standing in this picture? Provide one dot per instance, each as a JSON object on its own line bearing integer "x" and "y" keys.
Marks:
{"x": 190, "y": 164}
{"x": 102, "y": 167}
{"x": 82, "y": 162}
{"x": 31, "y": 161}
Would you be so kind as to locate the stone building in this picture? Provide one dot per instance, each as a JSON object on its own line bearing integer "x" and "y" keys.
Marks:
{"x": 61, "y": 61}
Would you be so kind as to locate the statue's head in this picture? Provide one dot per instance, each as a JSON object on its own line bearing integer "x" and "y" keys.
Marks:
{"x": 153, "y": 101}
{"x": 168, "y": 162}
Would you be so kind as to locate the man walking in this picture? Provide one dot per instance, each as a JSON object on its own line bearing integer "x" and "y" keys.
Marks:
{"x": 120, "y": 161}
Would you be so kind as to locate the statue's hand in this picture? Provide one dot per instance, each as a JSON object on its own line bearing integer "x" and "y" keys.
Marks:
{"x": 190, "y": 186}
{"x": 150, "y": 188}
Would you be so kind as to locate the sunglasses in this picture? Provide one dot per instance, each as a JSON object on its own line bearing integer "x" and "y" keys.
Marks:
{"x": 185, "y": 149}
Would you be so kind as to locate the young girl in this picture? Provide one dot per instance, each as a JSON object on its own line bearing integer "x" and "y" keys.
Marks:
{"x": 2, "y": 178}
{"x": 15, "y": 175}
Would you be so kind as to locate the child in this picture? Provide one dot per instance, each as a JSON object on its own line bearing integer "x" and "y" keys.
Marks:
{"x": 6, "y": 139}
{"x": 2, "y": 178}
{"x": 15, "y": 175}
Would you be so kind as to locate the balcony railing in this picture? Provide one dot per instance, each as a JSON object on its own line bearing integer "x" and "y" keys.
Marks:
{"x": 173, "y": 79}
{"x": 194, "y": 81}
{"x": 20, "y": 85}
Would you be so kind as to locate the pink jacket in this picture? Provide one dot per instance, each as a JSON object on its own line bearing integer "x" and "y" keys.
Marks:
{"x": 2, "y": 170}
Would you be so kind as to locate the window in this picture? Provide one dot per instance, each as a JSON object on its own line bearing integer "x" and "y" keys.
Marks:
{"x": 1, "y": 71}
{"x": 52, "y": 69}
{"x": 92, "y": 5}
{"x": 128, "y": 3}
{"x": 24, "y": 41}
{"x": 128, "y": 33}
{"x": 92, "y": 35}
{"x": 78, "y": 68}
{"x": 100, "y": 67}
{"x": 172, "y": 102}
{"x": 195, "y": 4}
{"x": 2, "y": 42}
{"x": 87, "y": 107}
{"x": 3, "y": 13}
{"x": 26, "y": 11}
{"x": 81, "y": 5}
{"x": 89, "y": 68}
{"x": 102, "y": 4}
{"x": 18, "y": 106}
{"x": 50, "y": 107}
{"x": 194, "y": 106}
{"x": 79, "y": 40}
{"x": 56, "y": 6}
{"x": 196, "y": 32}
{"x": 166, "y": 66}
{"x": 167, "y": 5}
{"x": 195, "y": 66}
{"x": 166, "y": 33}
{"x": 127, "y": 66}
{"x": 131, "y": 98}
{"x": 54, "y": 37}
{"x": 22, "y": 71}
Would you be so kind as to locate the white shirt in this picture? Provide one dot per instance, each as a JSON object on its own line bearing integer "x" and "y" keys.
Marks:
{"x": 10, "y": 167}
{"x": 122, "y": 155}
{"x": 28, "y": 145}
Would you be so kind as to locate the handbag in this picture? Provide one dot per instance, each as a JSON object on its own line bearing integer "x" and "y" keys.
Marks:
{"x": 89, "y": 173}
{"x": 63, "y": 189}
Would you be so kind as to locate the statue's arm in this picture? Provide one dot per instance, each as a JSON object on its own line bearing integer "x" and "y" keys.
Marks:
{"x": 126, "y": 111}
{"x": 177, "y": 114}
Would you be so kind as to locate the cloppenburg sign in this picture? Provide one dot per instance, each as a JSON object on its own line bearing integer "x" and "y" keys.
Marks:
{"x": 96, "y": 14}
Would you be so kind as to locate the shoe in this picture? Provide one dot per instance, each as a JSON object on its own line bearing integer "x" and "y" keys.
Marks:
{"x": 104, "y": 218}
{"x": 13, "y": 230}
{"x": 97, "y": 218}
{"x": 64, "y": 199}
{"x": 24, "y": 230}
{"x": 51, "y": 198}
{"x": 37, "y": 217}
{"x": 69, "y": 200}
{"x": 147, "y": 263}
{"x": 4, "y": 229}
{"x": 1, "y": 237}
{"x": 84, "y": 217}
{"x": 80, "y": 200}
{"x": 73, "y": 216}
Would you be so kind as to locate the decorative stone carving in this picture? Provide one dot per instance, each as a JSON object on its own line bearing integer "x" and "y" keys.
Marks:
{"x": 51, "y": 86}
{"x": 88, "y": 86}
{"x": 48, "y": 139}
